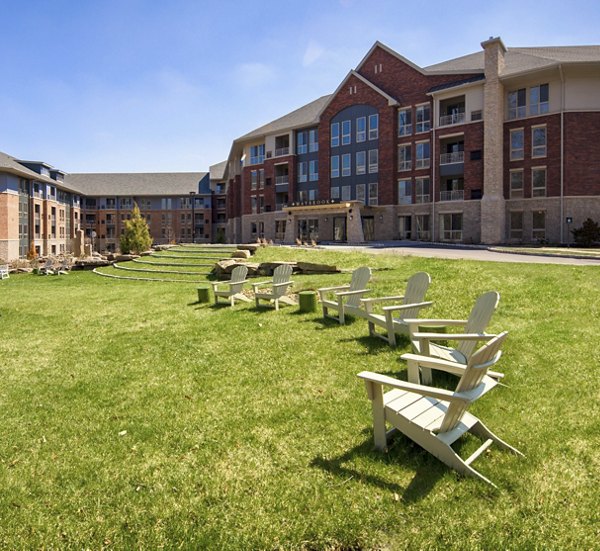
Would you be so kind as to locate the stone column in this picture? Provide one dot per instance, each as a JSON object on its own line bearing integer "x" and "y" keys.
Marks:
{"x": 290, "y": 233}
{"x": 493, "y": 213}
{"x": 354, "y": 229}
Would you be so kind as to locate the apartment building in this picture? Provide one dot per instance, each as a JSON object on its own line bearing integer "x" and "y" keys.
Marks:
{"x": 218, "y": 187}
{"x": 497, "y": 146}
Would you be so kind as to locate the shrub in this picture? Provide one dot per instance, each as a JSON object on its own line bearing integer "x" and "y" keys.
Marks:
{"x": 588, "y": 234}
{"x": 136, "y": 237}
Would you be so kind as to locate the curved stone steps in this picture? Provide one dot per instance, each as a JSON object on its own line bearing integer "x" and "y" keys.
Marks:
{"x": 185, "y": 264}
{"x": 186, "y": 257}
{"x": 133, "y": 278}
{"x": 147, "y": 270}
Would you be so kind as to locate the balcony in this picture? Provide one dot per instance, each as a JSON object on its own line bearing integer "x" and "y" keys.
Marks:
{"x": 281, "y": 151}
{"x": 404, "y": 166}
{"x": 453, "y": 118}
{"x": 282, "y": 180}
{"x": 451, "y": 158}
{"x": 453, "y": 195}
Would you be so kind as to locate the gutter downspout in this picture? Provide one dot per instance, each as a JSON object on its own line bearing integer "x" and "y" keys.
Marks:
{"x": 562, "y": 153}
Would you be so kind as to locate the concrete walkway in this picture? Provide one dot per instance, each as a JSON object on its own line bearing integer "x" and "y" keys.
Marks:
{"x": 458, "y": 252}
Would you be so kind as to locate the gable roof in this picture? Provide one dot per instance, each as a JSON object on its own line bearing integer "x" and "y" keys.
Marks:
{"x": 217, "y": 171}
{"x": 137, "y": 183}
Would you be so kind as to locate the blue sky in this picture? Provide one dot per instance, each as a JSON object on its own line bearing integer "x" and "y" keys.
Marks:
{"x": 149, "y": 85}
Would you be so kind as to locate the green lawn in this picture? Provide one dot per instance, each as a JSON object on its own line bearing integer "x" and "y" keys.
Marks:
{"x": 133, "y": 417}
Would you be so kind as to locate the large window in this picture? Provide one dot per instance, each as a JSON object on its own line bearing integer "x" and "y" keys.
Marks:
{"x": 516, "y": 184}
{"x": 346, "y": 193}
{"x": 302, "y": 171}
{"x": 373, "y": 194}
{"x": 517, "y": 148}
{"x": 313, "y": 171}
{"x": 516, "y": 225}
{"x": 335, "y": 166}
{"x": 361, "y": 193}
{"x": 301, "y": 146}
{"x": 451, "y": 226}
{"x": 335, "y": 134}
{"x": 404, "y": 122}
{"x": 516, "y": 104}
{"x": 373, "y": 127}
{"x": 373, "y": 161}
{"x": 361, "y": 162}
{"x": 404, "y": 192}
{"x": 538, "y": 182}
{"x": 423, "y": 118}
{"x": 422, "y": 150}
{"x": 404, "y": 157}
{"x": 346, "y": 131}
{"x": 257, "y": 154}
{"x": 422, "y": 227}
{"x": 422, "y": 190}
{"x": 253, "y": 179}
{"x": 539, "y": 99}
{"x": 361, "y": 129}
{"x": 538, "y": 225}
{"x": 313, "y": 140}
{"x": 346, "y": 164}
{"x": 335, "y": 192}
{"x": 538, "y": 141}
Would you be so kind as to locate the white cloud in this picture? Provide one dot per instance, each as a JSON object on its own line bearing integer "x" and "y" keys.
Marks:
{"x": 313, "y": 52}
{"x": 254, "y": 75}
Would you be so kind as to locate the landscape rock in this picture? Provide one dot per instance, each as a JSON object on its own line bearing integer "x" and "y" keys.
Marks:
{"x": 125, "y": 257}
{"x": 312, "y": 268}
{"x": 267, "y": 268}
{"x": 241, "y": 253}
{"x": 252, "y": 247}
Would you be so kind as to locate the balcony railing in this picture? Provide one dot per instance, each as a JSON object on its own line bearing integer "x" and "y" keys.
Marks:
{"x": 282, "y": 179}
{"x": 454, "y": 118}
{"x": 280, "y": 206}
{"x": 454, "y": 157}
{"x": 422, "y": 198}
{"x": 422, "y": 163}
{"x": 454, "y": 195}
{"x": 404, "y": 165}
{"x": 280, "y": 151}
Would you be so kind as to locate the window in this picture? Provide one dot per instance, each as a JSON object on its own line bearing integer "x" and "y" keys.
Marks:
{"x": 335, "y": 166}
{"x": 361, "y": 129}
{"x": 312, "y": 194}
{"x": 257, "y": 154}
{"x": 423, "y": 118}
{"x": 538, "y": 182}
{"x": 335, "y": 192}
{"x": 280, "y": 229}
{"x": 346, "y": 129}
{"x": 404, "y": 157}
{"x": 313, "y": 140}
{"x": 538, "y": 224}
{"x": 516, "y": 225}
{"x": 516, "y": 184}
{"x": 253, "y": 179}
{"x": 165, "y": 203}
{"x": 301, "y": 146}
{"x": 373, "y": 161}
{"x": 313, "y": 171}
{"x": 346, "y": 193}
{"x": 422, "y": 223}
{"x": 516, "y": 104}
{"x": 404, "y": 192}
{"x": 261, "y": 178}
{"x": 451, "y": 226}
{"x": 302, "y": 172}
{"x": 253, "y": 203}
{"x": 361, "y": 162}
{"x": 373, "y": 194}
{"x": 302, "y": 196}
{"x": 404, "y": 122}
{"x": 538, "y": 99}
{"x": 335, "y": 134}
{"x": 361, "y": 193}
{"x": 422, "y": 149}
{"x": 373, "y": 127}
{"x": 517, "y": 148}
{"x": 346, "y": 164}
{"x": 422, "y": 190}
{"x": 538, "y": 141}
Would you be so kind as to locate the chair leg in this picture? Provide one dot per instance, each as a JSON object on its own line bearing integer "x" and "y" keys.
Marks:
{"x": 482, "y": 431}
{"x": 276, "y": 304}
{"x": 256, "y": 301}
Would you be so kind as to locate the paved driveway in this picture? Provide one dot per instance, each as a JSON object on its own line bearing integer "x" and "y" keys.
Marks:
{"x": 466, "y": 253}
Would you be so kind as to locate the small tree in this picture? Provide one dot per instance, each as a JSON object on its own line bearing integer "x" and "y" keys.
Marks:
{"x": 588, "y": 234}
{"x": 136, "y": 237}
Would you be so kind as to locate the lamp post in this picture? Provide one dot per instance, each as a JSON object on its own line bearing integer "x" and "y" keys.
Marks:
{"x": 193, "y": 199}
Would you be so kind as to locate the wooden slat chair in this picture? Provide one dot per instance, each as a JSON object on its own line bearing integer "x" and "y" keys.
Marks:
{"x": 342, "y": 296}
{"x": 280, "y": 284}
{"x": 64, "y": 267}
{"x": 436, "y": 418}
{"x": 392, "y": 318}
{"x": 234, "y": 286}
{"x": 48, "y": 268}
{"x": 473, "y": 333}
{"x": 4, "y": 271}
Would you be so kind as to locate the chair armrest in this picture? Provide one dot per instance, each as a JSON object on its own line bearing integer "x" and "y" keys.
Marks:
{"x": 423, "y": 390}
{"x": 260, "y": 283}
{"x": 407, "y": 306}
{"x": 453, "y": 336}
{"x": 381, "y": 299}
{"x": 435, "y": 363}
{"x": 426, "y": 322}
{"x": 350, "y": 293}
{"x": 336, "y": 288}
{"x": 282, "y": 284}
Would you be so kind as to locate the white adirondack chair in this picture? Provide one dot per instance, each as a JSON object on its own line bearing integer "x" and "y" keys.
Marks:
{"x": 392, "y": 318}
{"x": 234, "y": 286}
{"x": 432, "y": 417}
{"x": 342, "y": 296}
{"x": 279, "y": 287}
{"x": 468, "y": 340}
{"x": 64, "y": 267}
{"x": 4, "y": 271}
{"x": 48, "y": 268}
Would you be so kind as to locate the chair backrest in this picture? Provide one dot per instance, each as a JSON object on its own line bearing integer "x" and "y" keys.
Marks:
{"x": 238, "y": 275}
{"x": 281, "y": 274}
{"x": 480, "y": 317}
{"x": 416, "y": 288}
{"x": 479, "y": 363}
{"x": 360, "y": 278}
{"x": 4, "y": 271}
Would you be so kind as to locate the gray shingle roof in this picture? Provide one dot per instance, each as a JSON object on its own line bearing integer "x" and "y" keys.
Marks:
{"x": 308, "y": 114}
{"x": 217, "y": 172}
{"x": 138, "y": 184}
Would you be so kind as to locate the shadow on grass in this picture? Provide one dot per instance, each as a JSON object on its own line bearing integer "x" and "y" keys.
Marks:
{"x": 420, "y": 486}
{"x": 373, "y": 345}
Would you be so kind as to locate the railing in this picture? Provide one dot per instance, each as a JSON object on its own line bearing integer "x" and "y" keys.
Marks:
{"x": 454, "y": 195}
{"x": 454, "y": 118}
{"x": 422, "y": 198}
{"x": 280, "y": 151}
{"x": 282, "y": 179}
{"x": 280, "y": 206}
{"x": 404, "y": 165}
{"x": 422, "y": 163}
{"x": 454, "y": 157}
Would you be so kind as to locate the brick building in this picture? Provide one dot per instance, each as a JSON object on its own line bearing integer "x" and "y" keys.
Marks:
{"x": 496, "y": 146}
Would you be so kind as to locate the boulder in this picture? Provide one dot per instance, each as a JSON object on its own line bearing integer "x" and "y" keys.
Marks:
{"x": 252, "y": 247}
{"x": 241, "y": 253}
{"x": 124, "y": 257}
{"x": 312, "y": 268}
{"x": 267, "y": 268}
